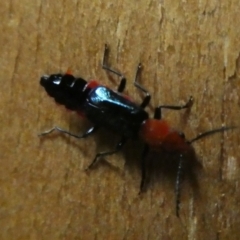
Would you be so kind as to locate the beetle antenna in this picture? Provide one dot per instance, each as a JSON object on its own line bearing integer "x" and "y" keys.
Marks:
{"x": 178, "y": 183}
{"x": 202, "y": 135}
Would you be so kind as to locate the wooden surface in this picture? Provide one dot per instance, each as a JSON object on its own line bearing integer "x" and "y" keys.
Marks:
{"x": 187, "y": 48}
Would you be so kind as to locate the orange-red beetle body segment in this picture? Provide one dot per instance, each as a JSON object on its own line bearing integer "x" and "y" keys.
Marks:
{"x": 160, "y": 136}
{"x": 154, "y": 131}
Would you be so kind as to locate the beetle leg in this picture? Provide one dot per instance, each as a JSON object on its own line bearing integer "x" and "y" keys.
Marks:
{"x": 118, "y": 147}
{"x": 158, "y": 110}
{"x": 147, "y": 98}
{"x": 84, "y": 135}
{"x": 105, "y": 66}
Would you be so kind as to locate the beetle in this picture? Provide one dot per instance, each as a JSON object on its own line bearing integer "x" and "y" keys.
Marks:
{"x": 115, "y": 111}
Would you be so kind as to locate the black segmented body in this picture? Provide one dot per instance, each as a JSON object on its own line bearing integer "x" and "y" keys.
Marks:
{"x": 66, "y": 90}
{"x": 101, "y": 105}
{"x": 111, "y": 110}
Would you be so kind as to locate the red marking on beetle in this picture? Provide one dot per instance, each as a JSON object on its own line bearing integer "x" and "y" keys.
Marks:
{"x": 160, "y": 136}
{"x": 92, "y": 84}
{"x": 69, "y": 71}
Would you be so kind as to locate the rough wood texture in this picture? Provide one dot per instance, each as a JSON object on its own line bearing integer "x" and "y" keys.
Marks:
{"x": 187, "y": 48}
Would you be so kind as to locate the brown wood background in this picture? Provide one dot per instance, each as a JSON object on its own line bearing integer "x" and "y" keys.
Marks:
{"x": 187, "y": 48}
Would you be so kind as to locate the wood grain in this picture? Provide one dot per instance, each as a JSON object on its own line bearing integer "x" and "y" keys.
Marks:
{"x": 186, "y": 48}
